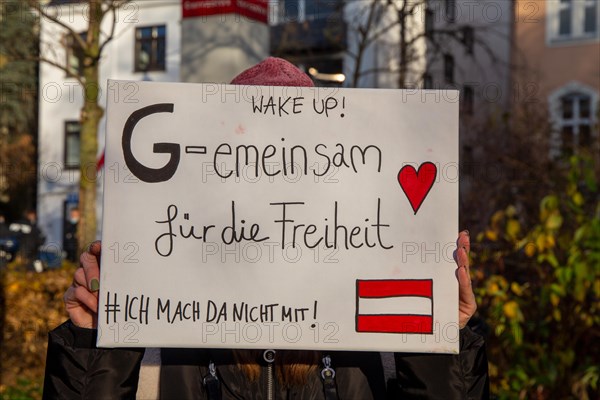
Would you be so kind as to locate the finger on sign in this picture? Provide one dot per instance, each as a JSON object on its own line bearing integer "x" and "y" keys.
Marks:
{"x": 91, "y": 269}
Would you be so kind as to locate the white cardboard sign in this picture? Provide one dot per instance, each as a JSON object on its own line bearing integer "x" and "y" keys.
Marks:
{"x": 279, "y": 217}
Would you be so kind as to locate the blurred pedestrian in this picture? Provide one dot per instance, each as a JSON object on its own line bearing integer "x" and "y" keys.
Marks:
{"x": 70, "y": 242}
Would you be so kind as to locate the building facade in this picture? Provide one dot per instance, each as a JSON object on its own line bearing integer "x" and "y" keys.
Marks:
{"x": 440, "y": 44}
{"x": 557, "y": 67}
{"x": 158, "y": 40}
{"x": 469, "y": 49}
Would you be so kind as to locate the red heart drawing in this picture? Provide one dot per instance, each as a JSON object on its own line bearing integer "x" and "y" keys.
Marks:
{"x": 417, "y": 184}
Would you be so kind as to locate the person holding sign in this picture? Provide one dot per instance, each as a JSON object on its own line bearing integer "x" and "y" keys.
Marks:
{"x": 76, "y": 368}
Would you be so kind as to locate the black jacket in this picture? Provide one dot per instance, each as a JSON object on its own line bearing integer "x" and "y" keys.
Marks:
{"x": 76, "y": 369}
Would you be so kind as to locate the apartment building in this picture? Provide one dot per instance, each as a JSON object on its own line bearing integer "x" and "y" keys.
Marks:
{"x": 557, "y": 67}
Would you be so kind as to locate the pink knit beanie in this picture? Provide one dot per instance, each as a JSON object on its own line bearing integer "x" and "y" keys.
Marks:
{"x": 273, "y": 72}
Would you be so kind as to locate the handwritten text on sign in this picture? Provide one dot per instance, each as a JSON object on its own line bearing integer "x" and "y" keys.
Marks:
{"x": 255, "y": 217}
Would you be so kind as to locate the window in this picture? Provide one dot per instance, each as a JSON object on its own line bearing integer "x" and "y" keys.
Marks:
{"x": 468, "y": 100}
{"x": 72, "y": 140}
{"x": 291, "y": 9}
{"x": 572, "y": 19}
{"x": 468, "y": 39}
{"x": 451, "y": 10}
{"x": 316, "y": 9}
{"x": 565, "y": 13}
{"x": 448, "y": 68}
{"x": 75, "y": 55}
{"x": 576, "y": 122}
{"x": 590, "y": 17}
{"x": 573, "y": 109}
{"x": 303, "y": 10}
{"x": 150, "y": 48}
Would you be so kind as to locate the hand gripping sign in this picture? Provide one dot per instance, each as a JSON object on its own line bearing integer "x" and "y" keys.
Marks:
{"x": 280, "y": 217}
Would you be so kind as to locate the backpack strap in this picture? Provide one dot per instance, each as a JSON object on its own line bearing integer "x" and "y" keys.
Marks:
{"x": 211, "y": 383}
{"x": 328, "y": 377}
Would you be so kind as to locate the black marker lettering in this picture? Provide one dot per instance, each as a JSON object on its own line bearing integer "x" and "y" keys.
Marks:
{"x": 147, "y": 174}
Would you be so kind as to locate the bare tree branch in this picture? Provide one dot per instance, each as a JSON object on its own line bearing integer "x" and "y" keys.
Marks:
{"x": 363, "y": 44}
{"x": 351, "y": 54}
{"x": 40, "y": 9}
{"x": 61, "y": 67}
{"x": 377, "y": 70}
{"x": 111, "y": 35}
{"x": 377, "y": 35}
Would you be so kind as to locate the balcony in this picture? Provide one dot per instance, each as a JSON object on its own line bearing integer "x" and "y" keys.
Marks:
{"x": 326, "y": 34}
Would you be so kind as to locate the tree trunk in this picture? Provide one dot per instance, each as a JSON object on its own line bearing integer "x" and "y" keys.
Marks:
{"x": 91, "y": 114}
{"x": 356, "y": 74}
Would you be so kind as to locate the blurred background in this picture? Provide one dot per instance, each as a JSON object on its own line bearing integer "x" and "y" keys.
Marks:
{"x": 528, "y": 72}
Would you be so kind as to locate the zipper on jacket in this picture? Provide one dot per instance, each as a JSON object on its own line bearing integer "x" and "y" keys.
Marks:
{"x": 269, "y": 357}
{"x": 328, "y": 377}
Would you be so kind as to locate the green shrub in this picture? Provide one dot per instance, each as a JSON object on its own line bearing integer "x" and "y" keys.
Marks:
{"x": 540, "y": 293}
{"x": 24, "y": 389}
{"x": 33, "y": 306}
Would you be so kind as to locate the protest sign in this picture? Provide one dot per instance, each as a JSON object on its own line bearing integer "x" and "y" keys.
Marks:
{"x": 279, "y": 217}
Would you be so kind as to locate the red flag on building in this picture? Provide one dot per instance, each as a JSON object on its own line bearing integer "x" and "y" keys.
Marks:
{"x": 257, "y": 10}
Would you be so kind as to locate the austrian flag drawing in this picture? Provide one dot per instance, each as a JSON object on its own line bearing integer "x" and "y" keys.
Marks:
{"x": 394, "y": 306}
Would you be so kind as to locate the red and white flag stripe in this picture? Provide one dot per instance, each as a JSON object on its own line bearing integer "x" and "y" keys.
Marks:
{"x": 394, "y": 305}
